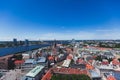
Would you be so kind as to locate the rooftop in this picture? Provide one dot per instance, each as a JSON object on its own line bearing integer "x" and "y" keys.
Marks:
{"x": 69, "y": 71}
{"x": 111, "y": 77}
{"x": 35, "y": 71}
{"x": 28, "y": 61}
{"x": 41, "y": 59}
{"x": 94, "y": 74}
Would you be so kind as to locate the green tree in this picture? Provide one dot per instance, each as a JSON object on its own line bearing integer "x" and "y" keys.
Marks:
{"x": 110, "y": 59}
{"x": 119, "y": 59}
{"x": 98, "y": 58}
{"x": 70, "y": 77}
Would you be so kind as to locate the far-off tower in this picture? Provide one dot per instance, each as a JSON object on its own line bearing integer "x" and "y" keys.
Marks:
{"x": 15, "y": 42}
{"x": 26, "y": 42}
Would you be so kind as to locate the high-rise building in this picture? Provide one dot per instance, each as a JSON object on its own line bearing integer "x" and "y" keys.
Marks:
{"x": 73, "y": 41}
{"x": 15, "y": 42}
{"x": 26, "y": 42}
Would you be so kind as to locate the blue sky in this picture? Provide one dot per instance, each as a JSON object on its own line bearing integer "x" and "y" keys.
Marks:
{"x": 59, "y": 19}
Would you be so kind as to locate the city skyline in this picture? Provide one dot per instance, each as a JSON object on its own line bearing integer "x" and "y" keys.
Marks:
{"x": 59, "y": 19}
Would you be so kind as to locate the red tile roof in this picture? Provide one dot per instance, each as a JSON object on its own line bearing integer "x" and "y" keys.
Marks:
{"x": 89, "y": 67}
{"x": 99, "y": 48}
{"x": 19, "y": 62}
{"x": 102, "y": 48}
{"x": 69, "y": 71}
{"x": 51, "y": 58}
{"x": 115, "y": 62}
{"x": 105, "y": 63}
{"x": 111, "y": 77}
{"x": 47, "y": 76}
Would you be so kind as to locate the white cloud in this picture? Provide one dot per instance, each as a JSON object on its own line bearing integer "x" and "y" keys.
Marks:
{"x": 62, "y": 36}
{"x": 105, "y": 34}
{"x": 81, "y": 35}
{"x": 103, "y": 30}
{"x": 7, "y": 33}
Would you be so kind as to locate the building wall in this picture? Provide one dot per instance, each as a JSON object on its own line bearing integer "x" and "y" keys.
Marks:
{"x": 3, "y": 64}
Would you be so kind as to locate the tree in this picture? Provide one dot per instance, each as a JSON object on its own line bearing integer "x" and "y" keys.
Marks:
{"x": 11, "y": 64}
{"x": 98, "y": 58}
{"x": 18, "y": 56}
{"x": 119, "y": 59}
{"x": 72, "y": 61}
{"x": 70, "y": 77}
{"x": 110, "y": 59}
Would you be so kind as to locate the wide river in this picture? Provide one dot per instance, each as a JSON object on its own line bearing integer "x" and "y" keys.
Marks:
{"x": 18, "y": 49}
